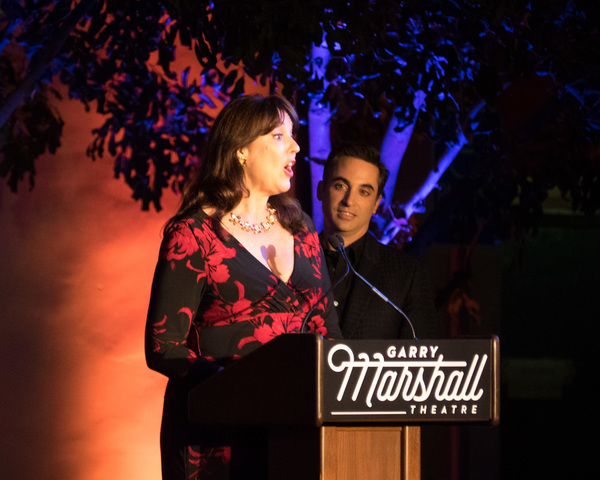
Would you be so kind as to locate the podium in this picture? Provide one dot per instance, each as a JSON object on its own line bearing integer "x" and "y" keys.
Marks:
{"x": 346, "y": 409}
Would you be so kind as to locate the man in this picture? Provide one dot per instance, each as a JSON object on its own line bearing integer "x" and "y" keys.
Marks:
{"x": 350, "y": 192}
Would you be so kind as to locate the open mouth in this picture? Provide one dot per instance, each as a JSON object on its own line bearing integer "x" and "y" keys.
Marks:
{"x": 289, "y": 169}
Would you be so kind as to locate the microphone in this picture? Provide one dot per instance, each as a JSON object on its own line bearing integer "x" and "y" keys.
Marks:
{"x": 307, "y": 317}
{"x": 337, "y": 242}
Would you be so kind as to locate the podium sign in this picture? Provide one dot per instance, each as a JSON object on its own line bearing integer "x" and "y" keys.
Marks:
{"x": 303, "y": 379}
{"x": 420, "y": 381}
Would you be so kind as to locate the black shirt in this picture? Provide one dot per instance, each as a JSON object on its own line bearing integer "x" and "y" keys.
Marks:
{"x": 338, "y": 270}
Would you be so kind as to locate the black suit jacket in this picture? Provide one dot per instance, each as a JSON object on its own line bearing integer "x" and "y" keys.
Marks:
{"x": 402, "y": 279}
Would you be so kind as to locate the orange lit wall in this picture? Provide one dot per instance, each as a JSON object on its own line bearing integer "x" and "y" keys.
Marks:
{"x": 77, "y": 254}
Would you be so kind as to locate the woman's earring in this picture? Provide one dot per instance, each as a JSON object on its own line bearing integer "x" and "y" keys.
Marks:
{"x": 242, "y": 160}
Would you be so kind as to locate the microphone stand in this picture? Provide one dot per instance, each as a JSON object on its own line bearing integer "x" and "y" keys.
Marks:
{"x": 337, "y": 242}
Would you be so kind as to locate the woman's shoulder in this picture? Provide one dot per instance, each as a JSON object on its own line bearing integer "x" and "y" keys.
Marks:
{"x": 310, "y": 225}
{"x": 308, "y": 232}
{"x": 187, "y": 223}
{"x": 187, "y": 235}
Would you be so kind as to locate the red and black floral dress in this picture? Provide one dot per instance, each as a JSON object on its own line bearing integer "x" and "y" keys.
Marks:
{"x": 212, "y": 301}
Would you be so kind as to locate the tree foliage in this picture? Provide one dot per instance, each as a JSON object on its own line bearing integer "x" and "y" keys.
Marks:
{"x": 464, "y": 59}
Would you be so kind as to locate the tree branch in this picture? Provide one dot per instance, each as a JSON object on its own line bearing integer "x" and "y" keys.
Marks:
{"x": 42, "y": 59}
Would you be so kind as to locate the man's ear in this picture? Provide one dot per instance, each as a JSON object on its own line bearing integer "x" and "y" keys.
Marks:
{"x": 320, "y": 190}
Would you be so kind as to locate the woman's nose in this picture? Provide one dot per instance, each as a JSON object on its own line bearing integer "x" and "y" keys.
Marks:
{"x": 294, "y": 146}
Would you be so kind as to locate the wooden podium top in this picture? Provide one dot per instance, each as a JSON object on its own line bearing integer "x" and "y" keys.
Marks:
{"x": 302, "y": 379}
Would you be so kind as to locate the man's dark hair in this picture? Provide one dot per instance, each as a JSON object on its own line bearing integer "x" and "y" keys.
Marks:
{"x": 365, "y": 152}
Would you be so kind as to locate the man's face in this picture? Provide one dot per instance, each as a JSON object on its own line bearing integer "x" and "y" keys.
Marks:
{"x": 349, "y": 198}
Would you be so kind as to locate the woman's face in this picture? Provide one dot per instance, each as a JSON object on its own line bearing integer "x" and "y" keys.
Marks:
{"x": 270, "y": 160}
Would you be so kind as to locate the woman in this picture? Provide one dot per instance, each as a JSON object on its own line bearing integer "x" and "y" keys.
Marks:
{"x": 240, "y": 263}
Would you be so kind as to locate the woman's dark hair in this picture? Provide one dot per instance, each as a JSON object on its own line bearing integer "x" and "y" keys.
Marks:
{"x": 219, "y": 180}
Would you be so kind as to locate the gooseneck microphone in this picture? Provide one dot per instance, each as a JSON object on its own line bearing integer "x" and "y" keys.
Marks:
{"x": 307, "y": 317}
{"x": 337, "y": 242}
